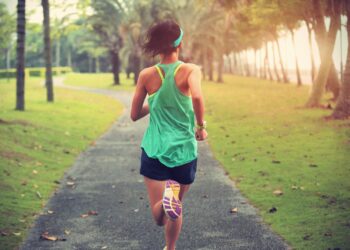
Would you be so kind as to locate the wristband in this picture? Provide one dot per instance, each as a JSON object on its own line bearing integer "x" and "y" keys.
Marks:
{"x": 204, "y": 126}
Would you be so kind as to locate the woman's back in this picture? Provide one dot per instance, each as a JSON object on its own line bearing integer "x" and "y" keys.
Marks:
{"x": 170, "y": 134}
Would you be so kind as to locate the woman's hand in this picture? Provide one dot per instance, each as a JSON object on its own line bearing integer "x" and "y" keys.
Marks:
{"x": 201, "y": 134}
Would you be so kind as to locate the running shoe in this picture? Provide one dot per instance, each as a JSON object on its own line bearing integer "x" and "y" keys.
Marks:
{"x": 171, "y": 203}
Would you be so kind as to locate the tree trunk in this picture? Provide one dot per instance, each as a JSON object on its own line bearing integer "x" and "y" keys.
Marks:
{"x": 8, "y": 58}
{"x": 342, "y": 108}
{"x": 210, "y": 65}
{"x": 90, "y": 61}
{"x": 21, "y": 33}
{"x": 115, "y": 66}
{"x": 326, "y": 61}
{"x": 235, "y": 66}
{"x": 274, "y": 63}
{"x": 47, "y": 51}
{"x": 313, "y": 68}
{"x": 333, "y": 82}
{"x": 297, "y": 71}
{"x": 284, "y": 73}
{"x": 136, "y": 68}
{"x": 267, "y": 63}
{"x": 220, "y": 67}
{"x": 262, "y": 68}
{"x": 246, "y": 62}
{"x": 255, "y": 64}
{"x": 97, "y": 64}
{"x": 69, "y": 58}
{"x": 58, "y": 52}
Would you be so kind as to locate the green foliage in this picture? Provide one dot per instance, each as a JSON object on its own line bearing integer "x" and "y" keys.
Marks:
{"x": 7, "y": 27}
{"x": 39, "y": 145}
{"x": 266, "y": 142}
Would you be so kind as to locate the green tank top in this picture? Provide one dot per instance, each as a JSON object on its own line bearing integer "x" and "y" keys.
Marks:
{"x": 170, "y": 136}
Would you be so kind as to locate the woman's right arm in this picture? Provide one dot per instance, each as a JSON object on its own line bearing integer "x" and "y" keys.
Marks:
{"x": 194, "y": 83}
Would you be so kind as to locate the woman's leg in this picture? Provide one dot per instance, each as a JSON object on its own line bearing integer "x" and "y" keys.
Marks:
{"x": 173, "y": 228}
{"x": 155, "y": 191}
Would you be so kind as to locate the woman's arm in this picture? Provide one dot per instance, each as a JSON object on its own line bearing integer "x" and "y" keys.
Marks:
{"x": 194, "y": 82}
{"x": 138, "y": 109}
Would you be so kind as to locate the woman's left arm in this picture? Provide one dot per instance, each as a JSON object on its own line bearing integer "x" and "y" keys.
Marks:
{"x": 138, "y": 109}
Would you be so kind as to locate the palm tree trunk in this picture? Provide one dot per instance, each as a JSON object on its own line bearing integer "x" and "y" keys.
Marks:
{"x": 97, "y": 64}
{"x": 58, "y": 52}
{"x": 255, "y": 64}
{"x": 246, "y": 62}
{"x": 333, "y": 83}
{"x": 326, "y": 61}
{"x": 21, "y": 33}
{"x": 342, "y": 108}
{"x": 313, "y": 68}
{"x": 220, "y": 67}
{"x": 274, "y": 63}
{"x": 284, "y": 73}
{"x": 47, "y": 51}
{"x": 296, "y": 59}
{"x": 267, "y": 63}
{"x": 210, "y": 64}
{"x": 262, "y": 68}
{"x": 69, "y": 58}
{"x": 115, "y": 66}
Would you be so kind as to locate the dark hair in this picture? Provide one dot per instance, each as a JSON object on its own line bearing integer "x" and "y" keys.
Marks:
{"x": 160, "y": 38}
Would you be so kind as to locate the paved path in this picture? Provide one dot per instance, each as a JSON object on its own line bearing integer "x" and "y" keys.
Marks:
{"x": 107, "y": 180}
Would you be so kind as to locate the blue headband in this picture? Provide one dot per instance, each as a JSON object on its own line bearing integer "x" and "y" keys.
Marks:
{"x": 178, "y": 40}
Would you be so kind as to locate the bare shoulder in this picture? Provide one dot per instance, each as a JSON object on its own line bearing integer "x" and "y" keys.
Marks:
{"x": 146, "y": 73}
{"x": 191, "y": 67}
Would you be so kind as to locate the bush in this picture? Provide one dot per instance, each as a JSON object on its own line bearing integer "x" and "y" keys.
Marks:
{"x": 35, "y": 72}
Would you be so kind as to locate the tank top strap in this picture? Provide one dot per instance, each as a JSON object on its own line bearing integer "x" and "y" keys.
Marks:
{"x": 168, "y": 69}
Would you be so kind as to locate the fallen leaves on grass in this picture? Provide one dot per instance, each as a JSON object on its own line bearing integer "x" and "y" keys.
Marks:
{"x": 328, "y": 234}
{"x": 4, "y": 233}
{"x": 17, "y": 234}
{"x": 276, "y": 162}
{"x": 46, "y": 236}
{"x": 307, "y": 237}
{"x": 272, "y": 210}
{"x": 49, "y": 211}
{"x": 35, "y": 171}
{"x": 38, "y": 194}
{"x": 278, "y": 192}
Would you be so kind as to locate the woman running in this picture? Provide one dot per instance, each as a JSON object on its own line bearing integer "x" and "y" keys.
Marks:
{"x": 169, "y": 145}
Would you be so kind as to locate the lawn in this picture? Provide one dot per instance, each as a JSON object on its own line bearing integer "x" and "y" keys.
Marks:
{"x": 101, "y": 80}
{"x": 267, "y": 142}
{"x": 37, "y": 146}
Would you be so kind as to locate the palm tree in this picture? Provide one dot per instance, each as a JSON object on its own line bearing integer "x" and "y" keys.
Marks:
{"x": 342, "y": 109}
{"x": 47, "y": 51}
{"x": 21, "y": 33}
{"x": 326, "y": 55}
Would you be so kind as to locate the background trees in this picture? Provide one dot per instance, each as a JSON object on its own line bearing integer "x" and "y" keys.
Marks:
{"x": 246, "y": 37}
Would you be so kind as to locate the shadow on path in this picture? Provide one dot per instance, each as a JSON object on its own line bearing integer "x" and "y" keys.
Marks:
{"x": 107, "y": 180}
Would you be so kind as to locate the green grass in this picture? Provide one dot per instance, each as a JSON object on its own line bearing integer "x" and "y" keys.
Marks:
{"x": 38, "y": 145}
{"x": 101, "y": 80}
{"x": 266, "y": 141}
